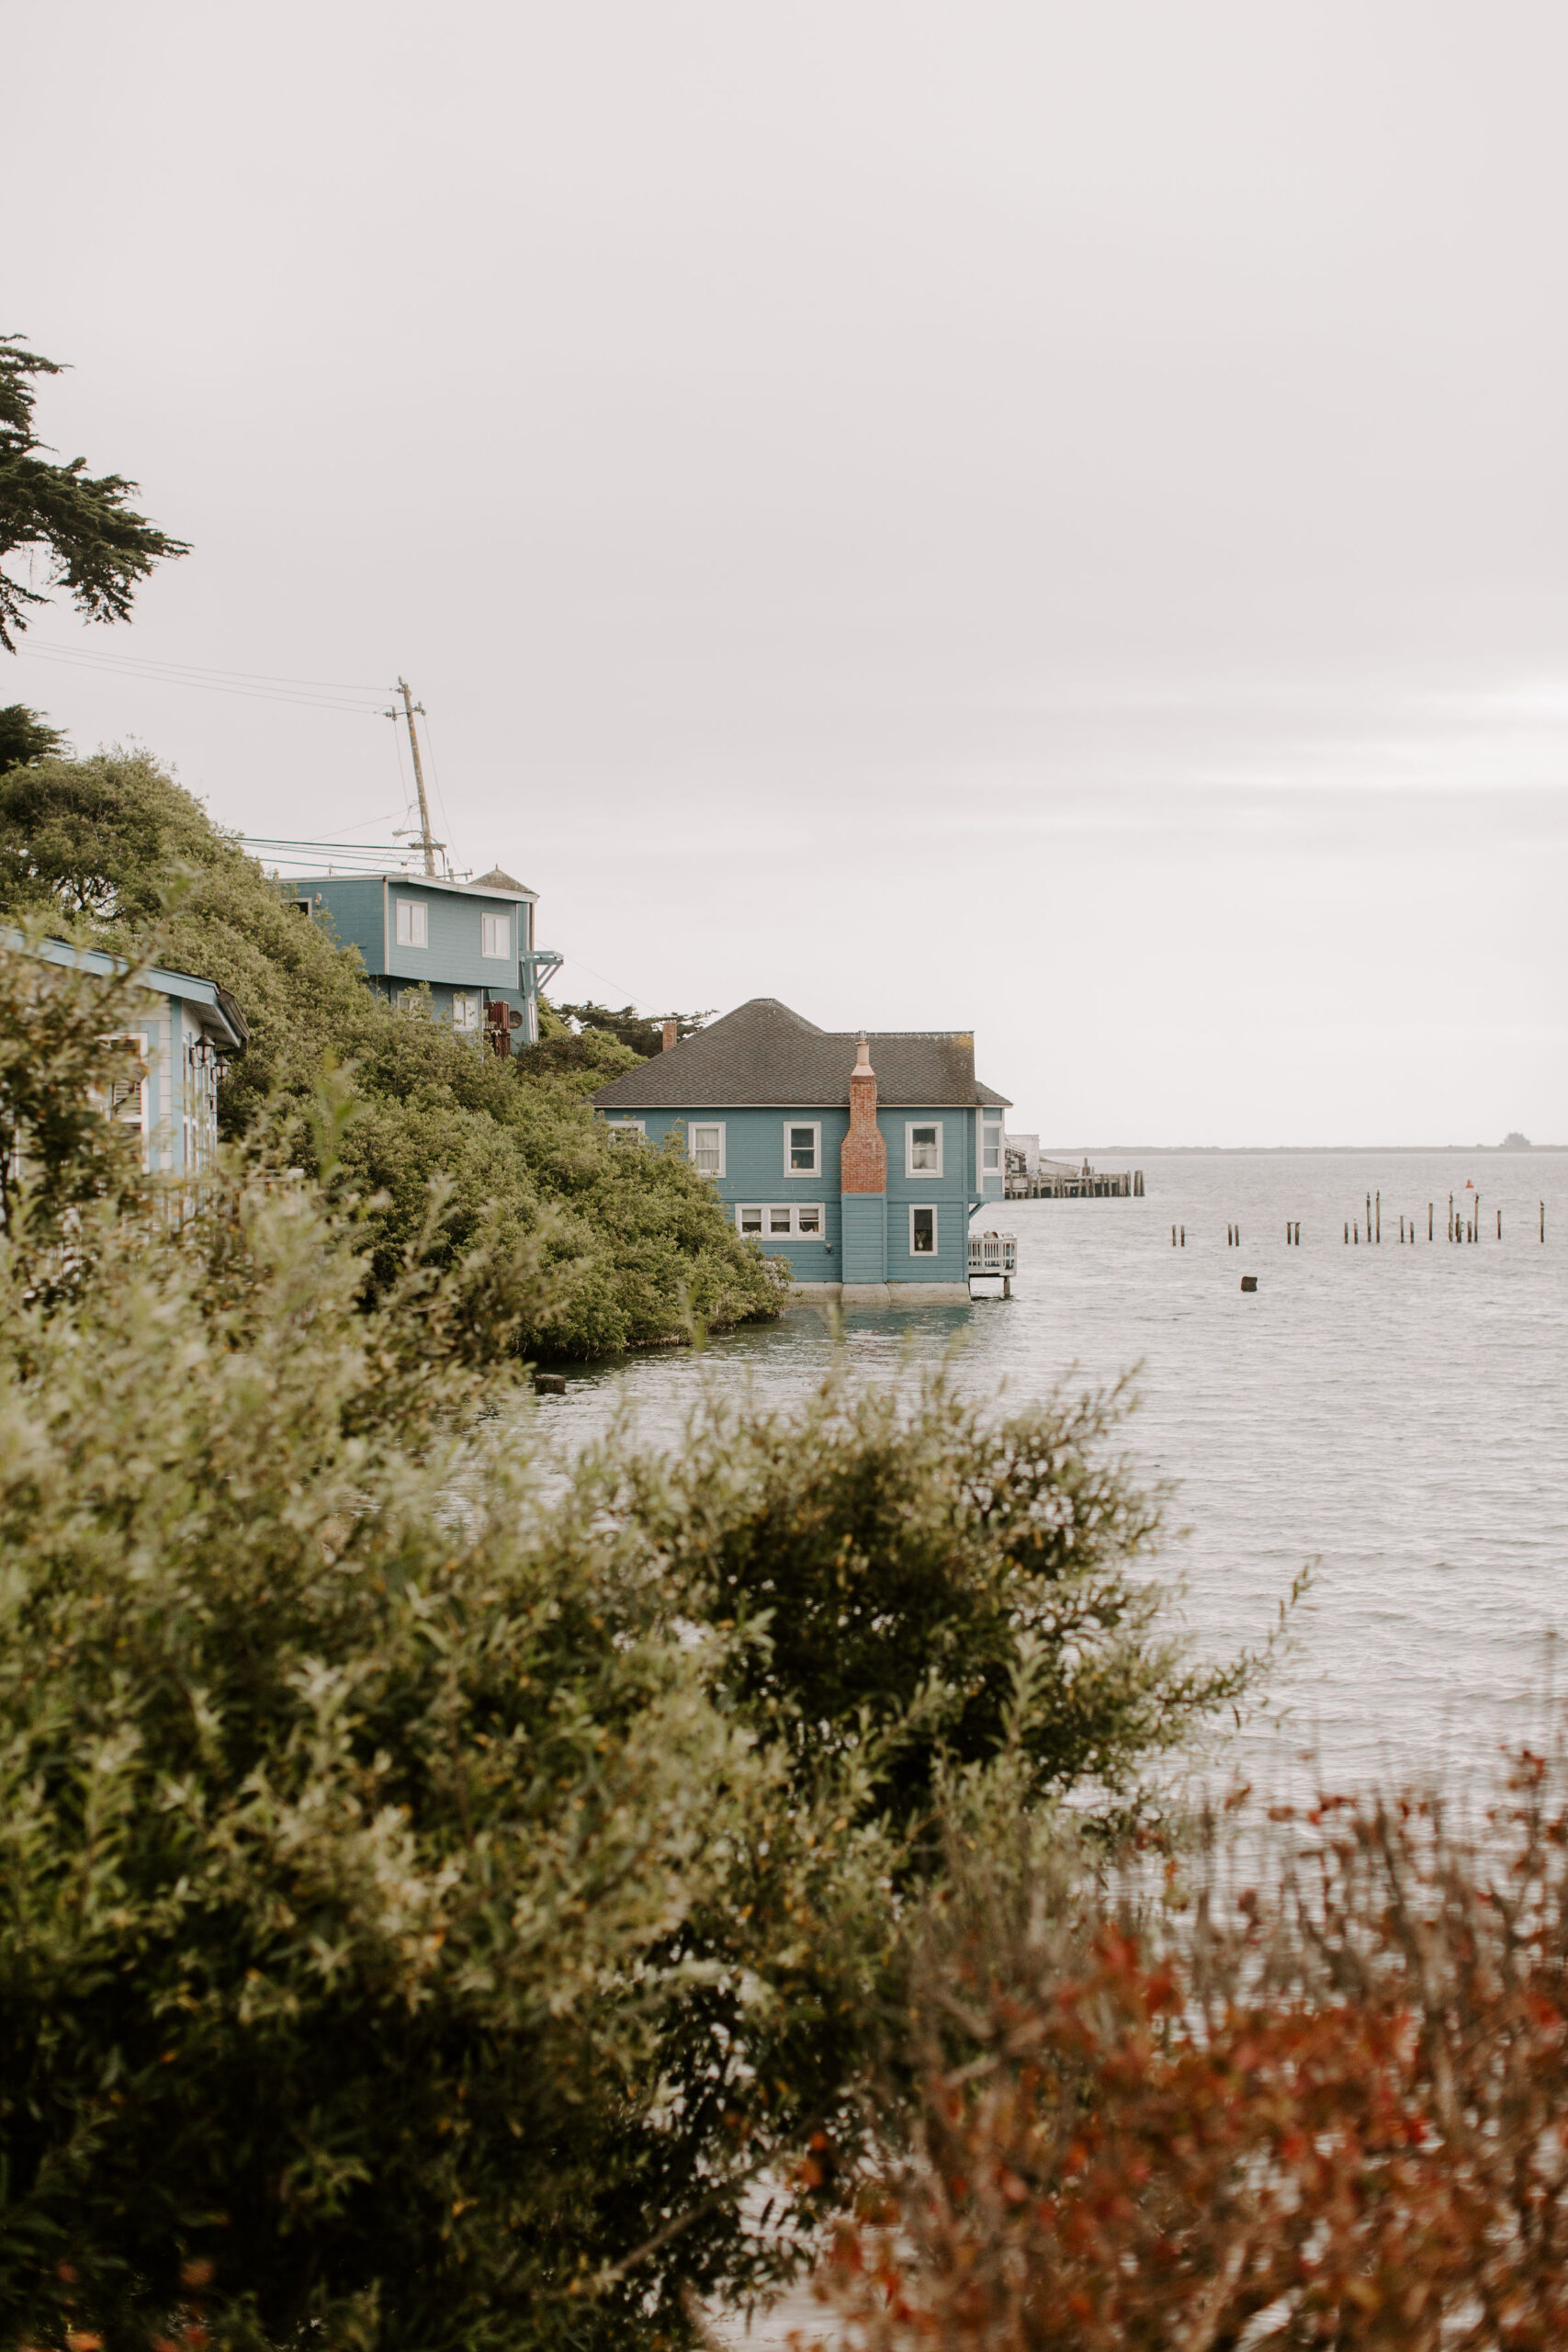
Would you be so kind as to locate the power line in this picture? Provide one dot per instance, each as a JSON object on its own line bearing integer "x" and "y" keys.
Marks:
{"x": 198, "y": 668}
{"x": 114, "y": 665}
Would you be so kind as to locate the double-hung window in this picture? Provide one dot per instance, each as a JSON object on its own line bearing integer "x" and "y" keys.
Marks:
{"x": 414, "y": 924}
{"x": 803, "y": 1148}
{"x": 779, "y": 1220}
{"x": 705, "y": 1146}
{"x": 466, "y": 1009}
{"x": 922, "y": 1233}
{"x": 495, "y": 936}
{"x": 990, "y": 1147}
{"x": 922, "y": 1148}
{"x": 629, "y": 1130}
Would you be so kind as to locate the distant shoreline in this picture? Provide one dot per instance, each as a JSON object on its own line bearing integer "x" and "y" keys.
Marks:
{"x": 1282, "y": 1151}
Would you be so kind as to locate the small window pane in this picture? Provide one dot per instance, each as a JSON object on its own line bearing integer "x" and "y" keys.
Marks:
{"x": 495, "y": 935}
{"x": 751, "y": 1220}
{"x": 414, "y": 924}
{"x": 923, "y": 1240}
{"x": 810, "y": 1220}
{"x": 803, "y": 1149}
{"x": 778, "y": 1220}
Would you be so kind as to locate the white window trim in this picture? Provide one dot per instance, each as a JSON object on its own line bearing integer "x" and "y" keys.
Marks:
{"x": 925, "y": 1208}
{"x": 414, "y": 907}
{"x": 982, "y": 1171}
{"x": 923, "y": 1175}
{"x": 813, "y": 1174}
{"x": 714, "y": 1175}
{"x": 794, "y": 1210}
{"x": 496, "y": 954}
{"x": 628, "y": 1126}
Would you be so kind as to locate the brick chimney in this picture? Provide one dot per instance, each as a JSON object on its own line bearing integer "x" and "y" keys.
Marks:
{"x": 669, "y": 1034}
{"x": 863, "y": 1155}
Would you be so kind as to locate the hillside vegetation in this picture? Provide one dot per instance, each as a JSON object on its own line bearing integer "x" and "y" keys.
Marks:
{"x": 630, "y": 1244}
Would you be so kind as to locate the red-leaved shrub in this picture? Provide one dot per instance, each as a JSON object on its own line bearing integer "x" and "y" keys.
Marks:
{"x": 1330, "y": 2107}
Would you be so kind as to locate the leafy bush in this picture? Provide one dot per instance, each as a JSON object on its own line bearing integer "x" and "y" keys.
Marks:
{"x": 426, "y": 1911}
{"x": 1319, "y": 2105}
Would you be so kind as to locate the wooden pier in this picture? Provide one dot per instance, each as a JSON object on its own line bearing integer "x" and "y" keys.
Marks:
{"x": 1058, "y": 1180}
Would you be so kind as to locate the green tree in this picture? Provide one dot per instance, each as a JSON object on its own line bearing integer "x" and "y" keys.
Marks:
{"x": 644, "y": 1032}
{"x": 94, "y": 542}
{"x": 25, "y": 735}
{"x": 635, "y": 1243}
{"x": 427, "y": 1908}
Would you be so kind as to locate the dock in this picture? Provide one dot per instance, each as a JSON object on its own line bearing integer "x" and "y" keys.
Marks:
{"x": 1031, "y": 1177}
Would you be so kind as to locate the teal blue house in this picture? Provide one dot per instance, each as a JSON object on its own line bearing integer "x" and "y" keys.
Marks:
{"x": 471, "y": 944}
{"x": 858, "y": 1158}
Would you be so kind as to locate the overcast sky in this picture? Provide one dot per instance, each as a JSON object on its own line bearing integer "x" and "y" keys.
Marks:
{"x": 1051, "y": 519}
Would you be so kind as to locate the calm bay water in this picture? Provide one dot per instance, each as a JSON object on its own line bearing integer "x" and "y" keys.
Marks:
{"x": 1398, "y": 1416}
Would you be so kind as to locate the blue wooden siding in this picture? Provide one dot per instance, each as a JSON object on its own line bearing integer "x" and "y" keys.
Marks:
{"x": 756, "y": 1170}
{"x": 364, "y": 914}
{"x": 352, "y": 911}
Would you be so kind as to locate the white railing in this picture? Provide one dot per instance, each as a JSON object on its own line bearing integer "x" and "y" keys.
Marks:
{"x": 993, "y": 1254}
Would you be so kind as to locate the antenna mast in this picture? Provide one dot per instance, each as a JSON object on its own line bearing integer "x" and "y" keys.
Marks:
{"x": 426, "y": 842}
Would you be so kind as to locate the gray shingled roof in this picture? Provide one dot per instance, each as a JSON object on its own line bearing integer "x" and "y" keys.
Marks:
{"x": 762, "y": 1055}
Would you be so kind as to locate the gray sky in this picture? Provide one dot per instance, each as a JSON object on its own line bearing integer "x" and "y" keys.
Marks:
{"x": 1050, "y": 518}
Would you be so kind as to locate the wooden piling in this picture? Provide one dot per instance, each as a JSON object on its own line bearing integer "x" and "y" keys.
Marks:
{"x": 1173, "y": 1237}
{"x": 1543, "y": 1220}
{"x": 1347, "y": 1233}
{"x": 1379, "y": 1217}
{"x": 1499, "y": 1224}
{"x": 1402, "y": 1231}
{"x": 1429, "y": 1220}
{"x": 1184, "y": 1237}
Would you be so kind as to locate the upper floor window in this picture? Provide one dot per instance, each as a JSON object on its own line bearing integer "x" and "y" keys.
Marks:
{"x": 991, "y": 1148}
{"x": 803, "y": 1149}
{"x": 705, "y": 1145}
{"x": 414, "y": 924}
{"x": 495, "y": 935}
{"x": 922, "y": 1149}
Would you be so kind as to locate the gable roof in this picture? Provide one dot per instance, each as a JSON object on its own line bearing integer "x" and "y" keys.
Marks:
{"x": 763, "y": 1056}
{"x": 496, "y": 880}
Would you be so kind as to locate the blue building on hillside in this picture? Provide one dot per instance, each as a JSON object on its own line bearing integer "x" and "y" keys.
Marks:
{"x": 860, "y": 1159}
{"x": 471, "y": 942}
{"x": 185, "y": 1030}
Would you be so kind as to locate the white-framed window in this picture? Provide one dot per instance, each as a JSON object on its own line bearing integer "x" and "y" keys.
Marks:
{"x": 467, "y": 1011}
{"x": 628, "y": 1129}
{"x": 704, "y": 1147}
{"x": 922, "y": 1233}
{"x": 990, "y": 1147}
{"x": 127, "y": 1094}
{"x": 922, "y": 1148}
{"x": 781, "y": 1220}
{"x": 414, "y": 924}
{"x": 803, "y": 1148}
{"x": 495, "y": 936}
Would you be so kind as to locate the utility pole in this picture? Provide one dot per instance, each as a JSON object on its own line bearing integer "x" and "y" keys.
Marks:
{"x": 429, "y": 846}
